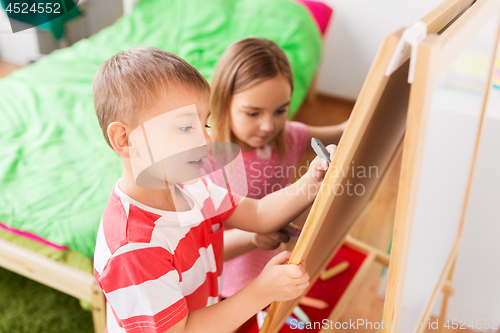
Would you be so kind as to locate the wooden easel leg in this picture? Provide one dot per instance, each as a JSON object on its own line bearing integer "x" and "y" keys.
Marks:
{"x": 352, "y": 288}
{"x": 447, "y": 293}
{"x": 98, "y": 309}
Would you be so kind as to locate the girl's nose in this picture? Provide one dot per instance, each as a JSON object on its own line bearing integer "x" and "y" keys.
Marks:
{"x": 267, "y": 125}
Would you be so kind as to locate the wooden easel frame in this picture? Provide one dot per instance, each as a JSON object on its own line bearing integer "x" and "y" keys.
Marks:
{"x": 435, "y": 55}
{"x": 371, "y": 93}
{"x": 373, "y": 255}
{"x": 56, "y": 275}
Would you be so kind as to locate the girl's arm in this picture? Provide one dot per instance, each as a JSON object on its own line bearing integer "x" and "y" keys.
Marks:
{"x": 326, "y": 134}
{"x": 277, "y": 209}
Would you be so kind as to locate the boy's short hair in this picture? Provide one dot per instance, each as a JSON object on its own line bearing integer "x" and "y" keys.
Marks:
{"x": 131, "y": 81}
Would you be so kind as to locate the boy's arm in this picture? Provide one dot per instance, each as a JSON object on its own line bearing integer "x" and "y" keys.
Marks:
{"x": 277, "y": 282}
{"x": 225, "y": 316}
{"x": 277, "y": 209}
{"x": 326, "y": 134}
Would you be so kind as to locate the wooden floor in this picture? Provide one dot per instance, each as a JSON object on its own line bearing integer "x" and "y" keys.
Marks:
{"x": 6, "y": 68}
{"x": 376, "y": 227}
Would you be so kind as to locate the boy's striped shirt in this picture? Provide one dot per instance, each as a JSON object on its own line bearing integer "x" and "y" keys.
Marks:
{"x": 156, "y": 266}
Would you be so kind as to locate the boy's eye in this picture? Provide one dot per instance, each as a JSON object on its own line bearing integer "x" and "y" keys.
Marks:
{"x": 186, "y": 128}
{"x": 206, "y": 126}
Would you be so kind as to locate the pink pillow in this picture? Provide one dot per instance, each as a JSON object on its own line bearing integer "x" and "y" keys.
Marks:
{"x": 321, "y": 13}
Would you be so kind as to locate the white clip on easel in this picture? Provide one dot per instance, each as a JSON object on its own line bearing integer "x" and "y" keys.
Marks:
{"x": 412, "y": 37}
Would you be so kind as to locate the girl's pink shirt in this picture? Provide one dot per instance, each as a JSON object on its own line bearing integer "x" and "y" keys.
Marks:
{"x": 265, "y": 173}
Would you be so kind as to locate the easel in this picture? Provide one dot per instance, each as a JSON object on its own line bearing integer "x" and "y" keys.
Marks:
{"x": 435, "y": 54}
{"x": 368, "y": 109}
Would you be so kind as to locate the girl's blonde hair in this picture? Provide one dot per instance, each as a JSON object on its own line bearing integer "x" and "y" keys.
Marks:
{"x": 243, "y": 65}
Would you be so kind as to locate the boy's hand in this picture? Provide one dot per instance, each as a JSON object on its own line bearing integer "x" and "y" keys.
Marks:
{"x": 318, "y": 167}
{"x": 279, "y": 282}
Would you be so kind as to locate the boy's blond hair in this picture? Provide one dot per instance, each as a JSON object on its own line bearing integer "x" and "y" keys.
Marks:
{"x": 131, "y": 81}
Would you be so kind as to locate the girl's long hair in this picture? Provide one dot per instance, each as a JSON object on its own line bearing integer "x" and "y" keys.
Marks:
{"x": 243, "y": 65}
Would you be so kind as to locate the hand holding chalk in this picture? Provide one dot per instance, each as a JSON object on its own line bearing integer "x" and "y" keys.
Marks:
{"x": 320, "y": 149}
{"x": 320, "y": 164}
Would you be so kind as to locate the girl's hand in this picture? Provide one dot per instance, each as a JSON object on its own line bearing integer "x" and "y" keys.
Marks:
{"x": 280, "y": 282}
{"x": 318, "y": 167}
{"x": 269, "y": 241}
{"x": 272, "y": 240}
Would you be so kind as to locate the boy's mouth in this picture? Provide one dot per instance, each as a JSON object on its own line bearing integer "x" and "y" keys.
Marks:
{"x": 197, "y": 163}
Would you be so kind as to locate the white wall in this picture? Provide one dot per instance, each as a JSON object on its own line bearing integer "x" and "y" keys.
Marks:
{"x": 102, "y": 14}
{"x": 354, "y": 35}
{"x": 29, "y": 45}
{"x": 19, "y": 48}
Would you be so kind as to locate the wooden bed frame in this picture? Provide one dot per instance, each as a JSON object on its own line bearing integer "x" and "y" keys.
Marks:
{"x": 56, "y": 275}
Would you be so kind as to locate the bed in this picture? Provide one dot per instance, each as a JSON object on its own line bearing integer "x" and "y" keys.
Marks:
{"x": 56, "y": 171}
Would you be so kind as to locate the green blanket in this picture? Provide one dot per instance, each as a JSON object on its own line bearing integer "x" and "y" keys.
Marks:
{"x": 56, "y": 171}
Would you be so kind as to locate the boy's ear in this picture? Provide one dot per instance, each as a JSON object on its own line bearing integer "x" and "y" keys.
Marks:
{"x": 118, "y": 137}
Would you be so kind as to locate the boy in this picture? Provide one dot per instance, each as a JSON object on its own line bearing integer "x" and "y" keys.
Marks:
{"x": 158, "y": 255}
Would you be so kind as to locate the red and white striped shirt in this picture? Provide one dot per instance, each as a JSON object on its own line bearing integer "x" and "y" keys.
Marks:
{"x": 156, "y": 266}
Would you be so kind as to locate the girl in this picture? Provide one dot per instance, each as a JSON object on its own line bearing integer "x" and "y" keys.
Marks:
{"x": 251, "y": 90}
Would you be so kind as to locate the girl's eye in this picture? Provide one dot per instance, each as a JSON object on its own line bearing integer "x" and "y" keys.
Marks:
{"x": 206, "y": 126}
{"x": 186, "y": 128}
{"x": 280, "y": 111}
{"x": 252, "y": 114}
